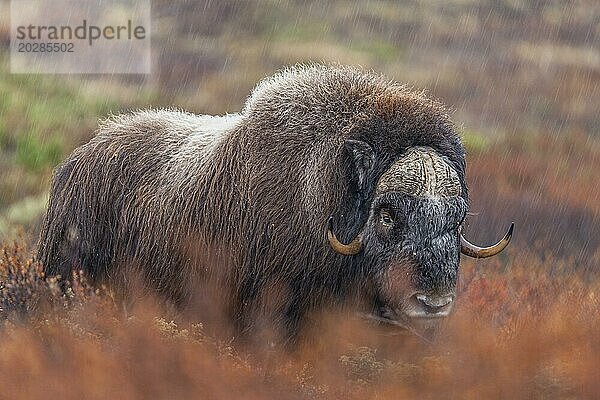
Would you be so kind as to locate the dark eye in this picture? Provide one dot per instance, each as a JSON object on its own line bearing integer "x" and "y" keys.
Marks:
{"x": 385, "y": 218}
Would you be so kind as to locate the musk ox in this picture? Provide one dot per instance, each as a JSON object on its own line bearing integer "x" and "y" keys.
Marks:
{"x": 333, "y": 186}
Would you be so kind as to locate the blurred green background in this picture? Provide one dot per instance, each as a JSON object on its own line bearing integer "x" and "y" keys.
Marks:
{"x": 522, "y": 79}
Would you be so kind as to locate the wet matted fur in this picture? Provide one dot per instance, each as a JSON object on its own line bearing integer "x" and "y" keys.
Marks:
{"x": 182, "y": 198}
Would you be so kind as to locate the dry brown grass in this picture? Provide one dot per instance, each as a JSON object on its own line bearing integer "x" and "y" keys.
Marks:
{"x": 514, "y": 334}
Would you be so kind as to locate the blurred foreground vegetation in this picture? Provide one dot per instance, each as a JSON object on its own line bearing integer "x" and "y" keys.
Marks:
{"x": 521, "y": 335}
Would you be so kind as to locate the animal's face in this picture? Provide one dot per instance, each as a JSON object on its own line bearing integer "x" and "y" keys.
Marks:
{"x": 412, "y": 247}
{"x": 410, "y": 243}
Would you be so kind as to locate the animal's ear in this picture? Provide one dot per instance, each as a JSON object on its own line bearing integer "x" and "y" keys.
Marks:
{"x": 361, "y": 163}
{"x": 358, "y": 160}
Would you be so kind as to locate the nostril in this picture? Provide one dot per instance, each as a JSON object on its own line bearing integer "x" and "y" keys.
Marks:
{"x": 435, "y": 304}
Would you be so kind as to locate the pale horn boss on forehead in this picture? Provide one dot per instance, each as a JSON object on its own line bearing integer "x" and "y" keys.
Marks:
{"x": 421, "y": 172}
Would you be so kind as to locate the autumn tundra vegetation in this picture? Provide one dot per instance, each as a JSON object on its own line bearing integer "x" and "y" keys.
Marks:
{"x": 521, "y": 78}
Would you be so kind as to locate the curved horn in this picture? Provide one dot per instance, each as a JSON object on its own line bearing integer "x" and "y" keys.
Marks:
{"x": 471, "y": 250}
{"x": 350, "y": 249}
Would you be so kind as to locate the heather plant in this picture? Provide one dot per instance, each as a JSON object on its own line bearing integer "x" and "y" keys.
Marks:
{"x": 514, "y": 334}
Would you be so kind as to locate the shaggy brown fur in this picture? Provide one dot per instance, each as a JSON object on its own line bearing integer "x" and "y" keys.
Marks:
{"x": 181, "y": 198}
